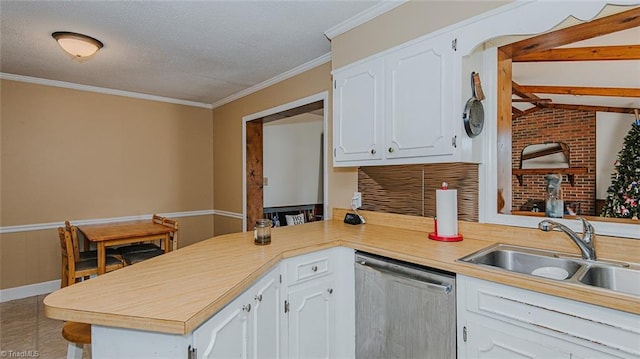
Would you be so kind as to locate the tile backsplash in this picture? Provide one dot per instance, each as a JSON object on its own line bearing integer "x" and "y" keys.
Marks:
{"x": 411, "y": 189}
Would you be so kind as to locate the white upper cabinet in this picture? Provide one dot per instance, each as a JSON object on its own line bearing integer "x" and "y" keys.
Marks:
{"x": 358, "y": 103}
{"x": 419, "y": 119}
{"x": 397, "y": 107}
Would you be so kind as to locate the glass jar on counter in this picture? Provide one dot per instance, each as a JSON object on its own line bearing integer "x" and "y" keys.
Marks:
{"x": 262, "y": 232}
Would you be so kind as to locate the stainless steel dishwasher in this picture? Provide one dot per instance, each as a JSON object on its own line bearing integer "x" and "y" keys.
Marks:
{"x": 403, "y": 310}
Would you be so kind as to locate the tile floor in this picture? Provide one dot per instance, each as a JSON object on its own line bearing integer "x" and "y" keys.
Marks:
{"x": 25, "y": 332}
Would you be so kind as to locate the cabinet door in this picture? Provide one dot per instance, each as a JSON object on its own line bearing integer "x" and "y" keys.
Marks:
{"x": 312, "y": 319}
{"x": 358, "y": 112}
{"x": 266, "y": 317}
{"x": 500, "y": 319}
{"x": 227, "y": 334}
{"x": 419, "y": 83}
{"x": 491, "y": 339}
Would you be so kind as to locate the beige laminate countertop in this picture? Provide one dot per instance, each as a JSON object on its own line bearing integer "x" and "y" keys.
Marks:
{"x": 176, "y": 292}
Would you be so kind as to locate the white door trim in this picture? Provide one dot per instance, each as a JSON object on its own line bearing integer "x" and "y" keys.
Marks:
{"x": 324, "y": 96}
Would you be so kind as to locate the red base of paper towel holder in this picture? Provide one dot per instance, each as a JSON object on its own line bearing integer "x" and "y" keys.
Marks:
{"x": 436, "y": 237}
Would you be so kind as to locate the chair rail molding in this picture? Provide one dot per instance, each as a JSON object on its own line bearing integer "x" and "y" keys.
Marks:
{"x": 237, "y": 215}
{"x": 52, "y": 225}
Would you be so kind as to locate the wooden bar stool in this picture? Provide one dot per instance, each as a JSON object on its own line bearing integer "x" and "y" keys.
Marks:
{"x": 77, "y": 334}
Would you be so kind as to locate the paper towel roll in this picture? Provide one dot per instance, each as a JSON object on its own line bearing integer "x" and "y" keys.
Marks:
{"x": 447, "y": 212}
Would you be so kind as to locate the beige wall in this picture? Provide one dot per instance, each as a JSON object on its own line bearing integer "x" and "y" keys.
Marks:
{"x": 122, "y": 152}
{"x": 406, "y": 22}
{"x": 69, "y": 154}
{"x": 227, "y": 141}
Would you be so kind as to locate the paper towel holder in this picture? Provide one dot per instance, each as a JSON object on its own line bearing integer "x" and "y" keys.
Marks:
{"x": 436, "y": 237}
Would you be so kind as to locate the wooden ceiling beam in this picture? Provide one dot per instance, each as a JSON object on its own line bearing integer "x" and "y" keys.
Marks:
{"x": 591, "y": 108}
{"x": 584, "y": 91}
{"x": 531, "y": 100}
{"x": 517, "y": 90}
{"x": 592, "y": 53}
{"x": 516, "y": 112}
{"x": 526, "y": 112}
{"x": 603, "y": 26}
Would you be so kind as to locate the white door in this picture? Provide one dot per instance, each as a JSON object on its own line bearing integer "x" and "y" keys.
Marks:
{"x": 311, "y": 319}
{"x": 358, "y": 112}
{"x": 227, "y": 334}
{"x": 266, "y": 315}
{"x": 419, "y": 81}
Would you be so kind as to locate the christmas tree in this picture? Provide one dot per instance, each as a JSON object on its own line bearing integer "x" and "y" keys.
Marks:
{"x": 623, "y": 196}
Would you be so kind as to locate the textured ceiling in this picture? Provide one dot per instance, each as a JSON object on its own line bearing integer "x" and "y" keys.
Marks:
{"x": 201, "y": 51}
{"x": 206, "y": 51}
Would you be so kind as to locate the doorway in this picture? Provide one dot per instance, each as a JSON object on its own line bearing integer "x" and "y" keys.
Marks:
{"x": 253, "y": 152}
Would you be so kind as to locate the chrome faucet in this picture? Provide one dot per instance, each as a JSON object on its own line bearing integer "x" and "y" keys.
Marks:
{"x": 586, "y": 243}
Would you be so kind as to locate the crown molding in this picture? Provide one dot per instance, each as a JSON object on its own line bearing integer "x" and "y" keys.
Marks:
{"x": 103, "y": 90}
{"x": 362, "y": 17}
{"x": 274, "y": 80}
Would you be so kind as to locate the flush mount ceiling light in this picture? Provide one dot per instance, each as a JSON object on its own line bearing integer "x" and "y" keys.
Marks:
{"x": 79, "y": 46}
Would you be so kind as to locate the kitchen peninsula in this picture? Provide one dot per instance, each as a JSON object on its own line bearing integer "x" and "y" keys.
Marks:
{"x": 177, "y": 292}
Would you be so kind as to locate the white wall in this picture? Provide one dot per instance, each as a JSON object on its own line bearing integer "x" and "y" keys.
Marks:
{"x": 293, "y": 161}
{"x": 611, "y": 129}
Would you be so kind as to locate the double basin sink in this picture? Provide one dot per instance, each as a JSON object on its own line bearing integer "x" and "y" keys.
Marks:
{"x": 616, "y": 276}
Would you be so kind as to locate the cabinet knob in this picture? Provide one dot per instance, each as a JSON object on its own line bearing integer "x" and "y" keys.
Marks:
{"x": 314, "y": 268}
{"x": 373, "y": 151}
{"x": 259, "y": 297}
{"x": 246, "y": 308}
{"x": 391, "y": 149}
{"x": 330, "y": 290}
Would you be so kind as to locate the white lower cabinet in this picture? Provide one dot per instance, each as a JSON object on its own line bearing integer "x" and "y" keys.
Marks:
{"x": 498, "y": 321}
{"x": 227, "y": 335}
{"x": 267, "y": 318}
{"x": 320, "y": 305}
{"x": 291, "y": 312}
{"x": 311, "y": 320}
{"x": 248, "y": 327}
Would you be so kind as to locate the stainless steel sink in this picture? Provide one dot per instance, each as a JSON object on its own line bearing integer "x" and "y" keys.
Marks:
{"x": 615, "y": 276}
{"x": 619, "y": 279}
{"x": 526, "y": 261}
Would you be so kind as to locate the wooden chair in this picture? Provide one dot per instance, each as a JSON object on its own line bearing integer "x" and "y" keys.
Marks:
{"x": 174, "y": 235}
{"x": 77, "y": 236}
{"x": 74, "y": 269}
{"x": 77, "y": 334}
{"x": 140, "y": 252}
{"x": 158, "y": 219}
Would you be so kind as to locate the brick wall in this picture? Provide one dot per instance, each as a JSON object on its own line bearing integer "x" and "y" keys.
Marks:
{"x": 575, "y": 128}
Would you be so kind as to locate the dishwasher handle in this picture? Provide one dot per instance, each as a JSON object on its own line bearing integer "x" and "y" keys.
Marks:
{"x": 446, "y": 288}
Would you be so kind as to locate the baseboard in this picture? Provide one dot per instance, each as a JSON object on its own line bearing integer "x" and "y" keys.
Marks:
{"x": 28, "y": 290}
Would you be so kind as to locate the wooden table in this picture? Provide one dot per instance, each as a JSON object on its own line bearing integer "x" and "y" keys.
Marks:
{"x": 113, "y": 234}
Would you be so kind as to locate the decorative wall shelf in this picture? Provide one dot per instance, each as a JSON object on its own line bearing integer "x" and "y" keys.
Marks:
{"x": 569, "y": 172}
